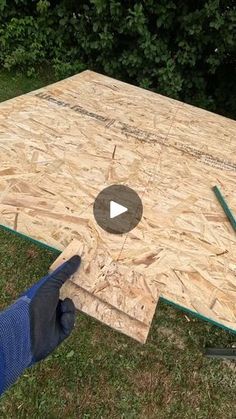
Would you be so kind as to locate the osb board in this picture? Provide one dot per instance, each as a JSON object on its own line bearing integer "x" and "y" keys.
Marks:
{"x": 57, "y": 153}
{"x": 104, "y": 312}
{"x": 113, "y": 283}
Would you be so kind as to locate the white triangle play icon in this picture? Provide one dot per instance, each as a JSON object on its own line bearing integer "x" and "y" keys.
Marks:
{"x": 116, "y": 209}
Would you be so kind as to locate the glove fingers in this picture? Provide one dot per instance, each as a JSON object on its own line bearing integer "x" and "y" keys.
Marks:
{"x": 63, "y": 272}
{"x": 67, "y": 306}
{"x": 67, "y": 318}
{"x": 67, "y": 323}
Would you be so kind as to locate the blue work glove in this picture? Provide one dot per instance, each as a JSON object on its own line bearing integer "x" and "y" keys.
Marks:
{"x": 32, "y": 327}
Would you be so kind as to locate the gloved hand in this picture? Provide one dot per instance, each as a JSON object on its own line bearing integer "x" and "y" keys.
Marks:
{"x": 32, "y": 327}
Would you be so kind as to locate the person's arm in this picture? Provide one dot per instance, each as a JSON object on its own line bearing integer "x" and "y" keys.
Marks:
{"x": 32, "y": 327}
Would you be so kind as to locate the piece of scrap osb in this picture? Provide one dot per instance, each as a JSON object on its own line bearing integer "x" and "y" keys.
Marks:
{"x": 120, "y": 289}
{"x": 105, "y": 313}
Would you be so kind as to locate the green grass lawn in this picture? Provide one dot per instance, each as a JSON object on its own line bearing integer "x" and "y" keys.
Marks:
{"x": 98, "y": 373}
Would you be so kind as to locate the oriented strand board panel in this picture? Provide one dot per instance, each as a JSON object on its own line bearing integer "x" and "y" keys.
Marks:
{"x": 113, "y": 283}
{"x": 57, "y": 153}
{"x": 104, "y": 312}
{"x": 94, "y": 306}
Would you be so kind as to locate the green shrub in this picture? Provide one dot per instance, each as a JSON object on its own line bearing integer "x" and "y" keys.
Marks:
{"x": 183, "y": 49}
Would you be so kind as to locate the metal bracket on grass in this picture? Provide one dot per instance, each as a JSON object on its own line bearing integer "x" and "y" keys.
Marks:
{"x": 226, "y": 353}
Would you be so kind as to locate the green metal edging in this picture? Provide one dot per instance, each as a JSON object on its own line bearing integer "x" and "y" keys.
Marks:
{"x": 24, "y": 236}
{"x": 195, "y": 314}
{"x": 186, "y": 310}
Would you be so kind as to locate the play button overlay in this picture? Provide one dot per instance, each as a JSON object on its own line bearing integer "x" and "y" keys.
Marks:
{"x": 117, "y": 209}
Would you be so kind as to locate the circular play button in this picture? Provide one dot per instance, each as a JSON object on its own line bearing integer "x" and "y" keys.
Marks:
{"x": 117, "y": 209}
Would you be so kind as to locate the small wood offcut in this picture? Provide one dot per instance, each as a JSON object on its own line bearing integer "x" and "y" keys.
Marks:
{"x": 61, "y": 145}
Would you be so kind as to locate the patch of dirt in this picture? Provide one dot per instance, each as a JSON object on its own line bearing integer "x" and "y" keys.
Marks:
{"x": 155, "y": 386}
{"x": 172, "y": 336}
{"x": 147, "y": 381}
{"x": 152, "y": 380}
{"x": 32, "y": 253}
{"x": 231, "y": 364}
{"x": 90, "y": 395}
{"x": 10, "y": 290}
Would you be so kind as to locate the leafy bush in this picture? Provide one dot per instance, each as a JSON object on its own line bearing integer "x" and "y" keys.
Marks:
{"x": 183, "y": 49}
